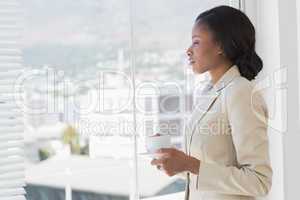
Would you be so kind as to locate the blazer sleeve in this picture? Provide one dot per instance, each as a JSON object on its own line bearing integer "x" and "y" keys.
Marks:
{"x": 248, "y": 117}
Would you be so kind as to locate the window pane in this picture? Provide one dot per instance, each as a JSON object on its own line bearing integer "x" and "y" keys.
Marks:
{"x": 79, "y": 115}
{"x": 80, "y": 132}
{"x": 162, "y": 33}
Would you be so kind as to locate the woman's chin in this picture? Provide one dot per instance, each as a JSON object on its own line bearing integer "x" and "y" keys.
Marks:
{"x": 197, "y": 70}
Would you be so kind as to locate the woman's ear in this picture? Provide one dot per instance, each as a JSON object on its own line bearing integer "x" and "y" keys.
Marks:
{"x": 219, "y": 50}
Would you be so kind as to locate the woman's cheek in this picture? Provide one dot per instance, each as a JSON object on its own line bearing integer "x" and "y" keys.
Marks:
{"x": 200, "y": 55}
{"x": 200, "y": 61}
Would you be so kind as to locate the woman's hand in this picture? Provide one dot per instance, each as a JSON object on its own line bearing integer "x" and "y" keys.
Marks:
{"x": 173, "y": 161}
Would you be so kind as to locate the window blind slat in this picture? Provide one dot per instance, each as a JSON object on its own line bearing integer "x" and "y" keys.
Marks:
{"x": 10, "y": 144}
{"x": 7, "y": 36}
{"x": 11, "y": 192}
{"x": 9, "y": 27}
{"x": 12, "y": 182}
{"x": 11, "y": 136}
{"x": 11, "y": 129}
{"x": 19, "y": 197}
{"x": 10, "y": 74}
{"x": 10, "y": 122}
{"x": 13, "y": 175}
{"x": 4, "y": 58}
{"x": 10, "y": 20}
{"x": 15, "y": 165}
{"x": 11, "y": 160}
{"x": 10, "y": 114}
{"x": 10, "y": 4}
{"x": 11, "y": 152}
{"x": 7, "y": 97}
{"x": 7, "y": 105}
{"x": 11, "y": 168}
{"x": 7, "y": 82}
{"x": 9, "y": 66}
{"x": 7, "y": 88}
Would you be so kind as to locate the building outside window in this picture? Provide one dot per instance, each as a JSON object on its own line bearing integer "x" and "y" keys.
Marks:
{"x": 79, "y": 122}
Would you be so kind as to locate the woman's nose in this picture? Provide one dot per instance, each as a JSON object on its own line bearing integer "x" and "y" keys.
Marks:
{"x": 189, "y": 51}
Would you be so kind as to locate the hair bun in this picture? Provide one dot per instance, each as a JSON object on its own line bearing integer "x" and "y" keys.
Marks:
{"x": 249, "y": 64}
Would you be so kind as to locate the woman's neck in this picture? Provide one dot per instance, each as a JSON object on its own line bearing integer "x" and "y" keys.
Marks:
{"x": 217, "y": 72}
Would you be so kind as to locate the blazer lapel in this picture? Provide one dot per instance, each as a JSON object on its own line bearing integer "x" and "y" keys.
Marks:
{"x": 201, "y": 109}
{"x": 208, "y": 100}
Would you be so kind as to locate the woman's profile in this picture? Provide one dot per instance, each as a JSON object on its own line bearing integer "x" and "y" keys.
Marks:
{"x": 226, "y": 155}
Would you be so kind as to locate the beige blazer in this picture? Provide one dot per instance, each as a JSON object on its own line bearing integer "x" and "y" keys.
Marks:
{"x": 228, "y": 133}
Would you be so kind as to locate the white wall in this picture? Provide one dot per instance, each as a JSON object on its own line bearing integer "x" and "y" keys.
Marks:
{"x": 277, "y": 44}
{"x": 289, "y": 57}
{"x": 268, "y": 46}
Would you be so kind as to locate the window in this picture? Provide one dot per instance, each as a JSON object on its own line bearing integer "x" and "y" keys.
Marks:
{"x": 79, "y": 131}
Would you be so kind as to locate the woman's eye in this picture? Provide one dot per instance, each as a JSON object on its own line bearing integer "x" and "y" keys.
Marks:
{"x": 195, "y": 43}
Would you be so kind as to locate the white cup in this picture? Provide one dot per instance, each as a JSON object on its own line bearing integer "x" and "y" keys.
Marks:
{"x": 153, "y": 143}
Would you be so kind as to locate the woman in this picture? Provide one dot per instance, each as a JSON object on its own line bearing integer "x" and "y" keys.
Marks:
{"x": 226, "y": 148}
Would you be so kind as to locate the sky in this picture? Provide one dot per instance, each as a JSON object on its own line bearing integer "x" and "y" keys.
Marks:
{"x": 85, "y": 22}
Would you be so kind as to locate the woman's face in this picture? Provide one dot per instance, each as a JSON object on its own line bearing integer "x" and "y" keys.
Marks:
{"x": 204, "y": 53}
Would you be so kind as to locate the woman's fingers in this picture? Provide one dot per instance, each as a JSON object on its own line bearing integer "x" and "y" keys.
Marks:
{"x": 165, "y": 152}
{"x": 157, "y": 162}
{"x": 170, "y": 160}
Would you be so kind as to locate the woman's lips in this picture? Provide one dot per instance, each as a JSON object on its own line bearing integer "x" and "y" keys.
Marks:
{"x": 191, "y": 62}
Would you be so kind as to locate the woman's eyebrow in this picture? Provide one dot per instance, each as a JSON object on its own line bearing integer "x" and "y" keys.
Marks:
{"x": 195, "y": 36}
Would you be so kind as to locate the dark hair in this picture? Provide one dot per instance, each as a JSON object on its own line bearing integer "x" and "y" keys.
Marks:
{"x": 235, "y": 33}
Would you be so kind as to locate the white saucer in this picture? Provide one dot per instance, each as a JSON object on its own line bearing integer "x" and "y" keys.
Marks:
{"x": 147, "y": 154}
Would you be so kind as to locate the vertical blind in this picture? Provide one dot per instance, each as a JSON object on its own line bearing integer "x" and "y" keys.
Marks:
{"x": 11, "y": 124}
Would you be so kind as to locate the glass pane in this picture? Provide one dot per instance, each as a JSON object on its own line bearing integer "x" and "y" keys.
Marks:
{"x": 162, "y": 33}
{"x": 78, "y": 135}
{"x": 79, "y": 112}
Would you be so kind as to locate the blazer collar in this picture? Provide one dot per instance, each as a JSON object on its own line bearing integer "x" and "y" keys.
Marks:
{"x": 207, "y": 99}
{"x": 226, "y": 78}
